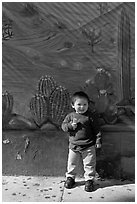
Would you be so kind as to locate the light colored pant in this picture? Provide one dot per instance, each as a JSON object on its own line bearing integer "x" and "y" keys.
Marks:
{"x": 89, "y": 161}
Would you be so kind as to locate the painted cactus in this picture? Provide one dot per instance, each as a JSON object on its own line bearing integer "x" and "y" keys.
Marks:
{"x": 101, "y": 92}
{"x": 46, "y": 85}
{"x": 102, "y": 79}
{"x": 39, "y": 109}
{"x": 7, "y": 104}
{"x": 124, "y": 56}
{"x": 59, "y": 102}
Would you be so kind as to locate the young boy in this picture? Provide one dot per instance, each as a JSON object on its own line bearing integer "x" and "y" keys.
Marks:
{"x": 84, "y": 135}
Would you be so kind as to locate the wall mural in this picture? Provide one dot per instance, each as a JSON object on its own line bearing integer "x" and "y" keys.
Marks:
{"x": 96, "y": 56}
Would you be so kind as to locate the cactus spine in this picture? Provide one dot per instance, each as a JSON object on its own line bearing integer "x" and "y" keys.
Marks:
{"x": 46, "y": 85}
{"x": 124, "y": 55}
{"x": 39, "y": 109}
{"x": 59, "y": 102}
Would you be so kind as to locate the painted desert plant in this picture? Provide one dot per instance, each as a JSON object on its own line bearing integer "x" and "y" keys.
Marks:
{"x": 101, "y": 92}
{"x": 59, "y": 104}
{"x": 7, "y": 106}
{"x": 46, "y": 85}
{"x": 39, "y": 109}
{"x": 124, "y": 55}
{"x": 51, "y": 104}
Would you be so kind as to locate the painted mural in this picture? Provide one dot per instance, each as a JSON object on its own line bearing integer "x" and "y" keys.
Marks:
{"x": 39, "y": 49}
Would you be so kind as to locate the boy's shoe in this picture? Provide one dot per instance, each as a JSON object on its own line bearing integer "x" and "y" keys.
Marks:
{"x": 69, "y": 183}
{"x": 89, "y": 187}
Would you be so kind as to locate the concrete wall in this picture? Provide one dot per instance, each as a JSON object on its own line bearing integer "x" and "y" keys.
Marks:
{"x": 118, "y": 150}
{"x": 46, "y": 153}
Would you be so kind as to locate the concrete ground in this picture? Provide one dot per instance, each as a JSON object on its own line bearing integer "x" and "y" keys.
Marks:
{"x": 51, "y": 189}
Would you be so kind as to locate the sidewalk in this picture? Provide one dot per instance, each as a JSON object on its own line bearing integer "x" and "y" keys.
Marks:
{"x": 51, "y": 189}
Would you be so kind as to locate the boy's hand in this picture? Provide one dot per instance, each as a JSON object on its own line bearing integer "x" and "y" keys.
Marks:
{"x": 74, "y": 123}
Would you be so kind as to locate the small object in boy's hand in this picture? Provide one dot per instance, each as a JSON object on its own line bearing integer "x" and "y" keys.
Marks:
{"x": 98, "y": 146}
{"x": 74, "y": 121}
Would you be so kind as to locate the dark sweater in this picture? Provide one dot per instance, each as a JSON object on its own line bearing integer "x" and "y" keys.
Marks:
{"x": 85, "y": 134}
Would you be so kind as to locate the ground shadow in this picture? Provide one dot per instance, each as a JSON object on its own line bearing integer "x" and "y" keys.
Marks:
{"x": 111, "y": 182}
{"x": 79, "y": 183}
{"x": 103, "y": 183}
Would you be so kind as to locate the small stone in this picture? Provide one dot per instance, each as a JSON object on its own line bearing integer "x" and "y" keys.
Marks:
{"x": 4, "y": 183}
{"x": 6, "y": 141}
{"x": 47, "y": 196}
{"x": 45, "y": 189}
{"x": 36, "y": 184}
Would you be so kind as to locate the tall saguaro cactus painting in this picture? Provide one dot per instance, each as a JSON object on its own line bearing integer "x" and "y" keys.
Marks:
{"x": 124, "y": 56}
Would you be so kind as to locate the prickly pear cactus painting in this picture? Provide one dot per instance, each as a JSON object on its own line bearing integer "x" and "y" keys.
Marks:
{"x": 46, "y": 85}
{"x": 103, "y": 83}
{"x": 101, "y": 92}
{"x": 59, "y": 105}
{"x": 39, "y": 109}
{"x": 7, "y": 105}
{"x": 102, "y": 79}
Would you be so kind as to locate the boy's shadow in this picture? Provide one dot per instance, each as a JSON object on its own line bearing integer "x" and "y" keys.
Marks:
{"x": 103, "y": 183}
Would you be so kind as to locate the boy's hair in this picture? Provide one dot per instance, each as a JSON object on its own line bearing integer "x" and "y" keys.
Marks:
{"x": 79, "y": 94}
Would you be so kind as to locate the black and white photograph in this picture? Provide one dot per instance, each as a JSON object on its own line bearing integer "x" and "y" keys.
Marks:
{"x": 68, "y": 101}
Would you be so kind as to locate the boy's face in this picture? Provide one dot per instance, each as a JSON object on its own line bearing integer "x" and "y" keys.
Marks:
{"x": 80, "y": 105}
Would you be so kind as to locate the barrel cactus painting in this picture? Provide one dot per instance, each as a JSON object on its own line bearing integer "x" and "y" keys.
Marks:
{"x": 39, "y": 109}
{"x": 59, "y": 105}
{"x": 7, "y": 106}
{"x": 46, "y": 85}
{"x": 51, "y": 104}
